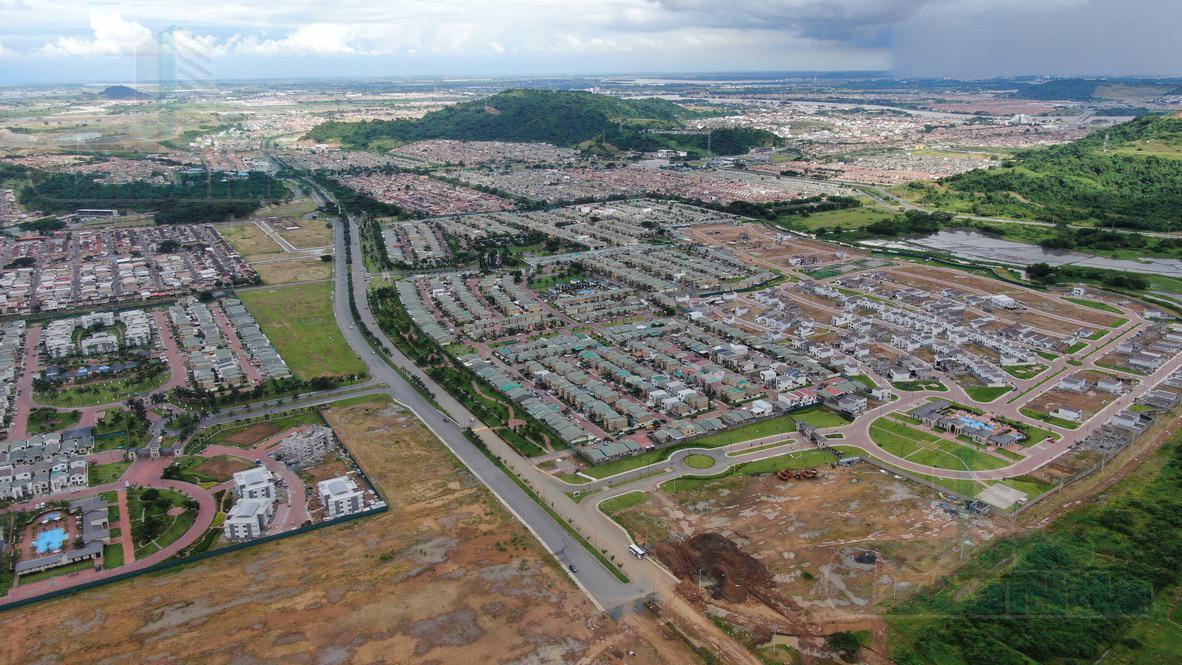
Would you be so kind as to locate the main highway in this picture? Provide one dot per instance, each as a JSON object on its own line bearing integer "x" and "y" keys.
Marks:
{"x": 450, "y": 419}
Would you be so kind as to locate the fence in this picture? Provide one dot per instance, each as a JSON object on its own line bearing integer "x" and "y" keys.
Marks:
{"x": 174, "y": 563}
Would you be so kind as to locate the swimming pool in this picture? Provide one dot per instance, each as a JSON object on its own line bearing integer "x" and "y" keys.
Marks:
{"x": 50, "y": 540}
{"x": 51, "y": 517}
{"x": 973, "y": 423}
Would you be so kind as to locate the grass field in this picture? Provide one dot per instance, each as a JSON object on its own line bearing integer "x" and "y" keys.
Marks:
{"x": 1095, "y": 304}
{"x": 986, "y": 394}
{"x": 699, "y": 461}
{"x": 917, "y": 386}
{"x": 249, "y": 240}
{"x": 1048, "y": 418}
{"x": 1024, "y": 371}
{"x": 300, "y": 323}
{"x": 618, "y": 503}
{"x": 101, "y": 474}
{"x": 930, "y": 450}
{"x": 769, "y": 427}
{"x": 819, "y": 416}
{"x": 101, "y": 392}
{"x": 45, "y": 419}
{"x": 141, "y": 510}
{"x": 291, "y": 270}
{"x": 850, "y": 218}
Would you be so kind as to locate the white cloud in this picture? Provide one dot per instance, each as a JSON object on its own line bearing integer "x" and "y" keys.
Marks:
{"x": 112, "y": 36}
{"x": 315, "y": 39}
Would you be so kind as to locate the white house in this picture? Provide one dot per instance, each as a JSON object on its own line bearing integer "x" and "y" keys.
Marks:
{"x": 247, "y": 519}
{"x": 340, "y": 496}
{"x": 256, "y": 483}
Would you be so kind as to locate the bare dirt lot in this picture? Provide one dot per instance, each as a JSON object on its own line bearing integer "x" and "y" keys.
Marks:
{"x": 252, "y": 435}
{"x": 222, "y": 467}
{"x": 839, "y": 547}
{"x": 1088, "y": 403}
{"x": 446, "y": 576}
{"x": 293, "y": 269}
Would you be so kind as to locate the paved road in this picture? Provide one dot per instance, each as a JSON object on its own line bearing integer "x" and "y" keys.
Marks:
{"x": 603, "y": 587}
{"x": 205, "y": 514}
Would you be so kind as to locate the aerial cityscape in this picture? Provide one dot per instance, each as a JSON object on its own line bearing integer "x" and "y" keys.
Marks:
{"x": 672, "y": 334}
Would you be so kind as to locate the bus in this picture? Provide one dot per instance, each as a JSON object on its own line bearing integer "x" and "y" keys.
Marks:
{"x": 637, "y": 551}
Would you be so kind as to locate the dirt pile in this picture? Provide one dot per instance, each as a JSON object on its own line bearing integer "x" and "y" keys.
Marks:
{"x": 735, "y": 573}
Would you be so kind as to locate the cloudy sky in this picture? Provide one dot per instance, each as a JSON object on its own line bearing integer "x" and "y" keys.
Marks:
{"x": 68, "y": 40}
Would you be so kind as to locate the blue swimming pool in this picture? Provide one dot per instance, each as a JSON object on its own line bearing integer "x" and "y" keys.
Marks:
{"x": 973, "y": 423}
{"x": 50, "y": 540}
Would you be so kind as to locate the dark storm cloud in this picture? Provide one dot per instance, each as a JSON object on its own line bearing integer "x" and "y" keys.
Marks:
{"x": 857, "y": 22}
{"x": 1088, "y": 37}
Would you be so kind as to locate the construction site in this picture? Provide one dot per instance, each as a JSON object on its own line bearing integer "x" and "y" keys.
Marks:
{"x": 783, "y": 559}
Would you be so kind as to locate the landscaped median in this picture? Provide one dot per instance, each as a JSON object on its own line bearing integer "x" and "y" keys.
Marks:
{"x": 778, "y": 425}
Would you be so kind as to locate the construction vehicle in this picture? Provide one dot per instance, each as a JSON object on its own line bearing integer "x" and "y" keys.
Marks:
{"x": 797, "y": 474}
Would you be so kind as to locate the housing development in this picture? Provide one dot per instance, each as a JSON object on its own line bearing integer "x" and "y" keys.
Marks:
{"x": 787, "y": 369}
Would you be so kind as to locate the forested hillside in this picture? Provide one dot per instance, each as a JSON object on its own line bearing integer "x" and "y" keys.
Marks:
{"x": 566, "y": 118}
{"x": 1129, "y": 176}
{"x": 1064, "y": 595}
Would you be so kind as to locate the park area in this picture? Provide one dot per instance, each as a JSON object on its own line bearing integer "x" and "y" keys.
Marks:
{"x": 299, "y": 321}
{"x": 930, "y": 449}
{"x": 469, "y": 579}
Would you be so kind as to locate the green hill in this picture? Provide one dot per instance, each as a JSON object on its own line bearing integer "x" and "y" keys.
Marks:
{"x": 560, "y": 117}
{"x": 1128, "y": 176}
{"x": 122, "y": 92}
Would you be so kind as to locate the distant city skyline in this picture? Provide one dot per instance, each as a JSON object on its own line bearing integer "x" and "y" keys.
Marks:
{"x": 118, "y": 41}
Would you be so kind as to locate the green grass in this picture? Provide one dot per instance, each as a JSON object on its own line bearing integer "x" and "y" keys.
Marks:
{"x": 865, "y": 380}
{"x": 1033, "y": 434}
{"x": 1077, "y": 347}
{"x": 1031, "y": 486}
{"x": 1047, "y": 418}
{"x": 930, "y": 450}
{"x": 1095, "y": 304}
{"x": 777, "y": 425}
{"x": 769, "y": 427}
{"x": 805, "y": 459}
{"x": 101, "y": 392}
{"x": 175, "y": 527}
{"x": 101, "y": 474}
{"x": 112, "y": 556}
{"x": 986, "y": 394}
{"x": 820, "y": 417}
{"x": 1099, "y": 584}
{"x": 1024, "y": 372}
{"x": 917, "y": 386}
{"x": 299, "y": 321}
{"x": 849, "y": 218}
{"x": 622, "y": 502}
{"x": 46, "y": 419}
{"x": 758, "y": 448}
{"x": 699, "y": 461}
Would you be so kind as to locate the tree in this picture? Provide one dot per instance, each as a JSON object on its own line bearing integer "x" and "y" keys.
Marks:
{"x": 846, "y": 644}
{"x": 1041, "y": 272}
